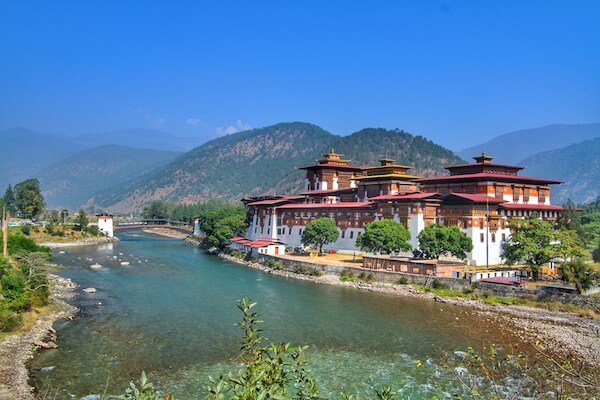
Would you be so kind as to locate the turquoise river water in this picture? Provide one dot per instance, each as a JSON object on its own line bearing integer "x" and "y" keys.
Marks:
{"x": 172, "y": 311}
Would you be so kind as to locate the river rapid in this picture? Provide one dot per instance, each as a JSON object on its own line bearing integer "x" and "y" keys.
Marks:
{"x": 171, "y": 312}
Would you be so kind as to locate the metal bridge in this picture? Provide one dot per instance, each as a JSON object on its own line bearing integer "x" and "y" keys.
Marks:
{"x": 155, "y": 223}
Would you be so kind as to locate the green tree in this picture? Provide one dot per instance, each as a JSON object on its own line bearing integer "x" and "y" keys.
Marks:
{"x": 437, "y": 240}
{"x": 219, "y": 224}
{"x": 535, "y": 242}
{"x": 579, "y": 273}
{"x": 9, "y": 199}
{"x": 28, "y": 198}
{"x": 596, "y": 254}
{"x": 384, "y": 236}
{"x": 570, "y": 217}
{"x": 319, "y": 232}
{"x": 81, "y": 221}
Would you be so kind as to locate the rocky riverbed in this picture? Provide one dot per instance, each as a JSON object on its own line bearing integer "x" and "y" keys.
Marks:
{"x": 556, "y": 332}
{"x": 91, "y": 241}
{"x": 18, "y": 349}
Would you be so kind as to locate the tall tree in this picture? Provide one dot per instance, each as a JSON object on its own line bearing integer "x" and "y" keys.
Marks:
{"x": 535, "y": 242}
{"x": 437, "y": 240}
{"x": 570, "y": 217}
{"x": 580, "y": 274}
{"x": 81, "y": 221}
{"x": 28, "y": 198}
{"x": 319, "y": 232}
{"x": 9, "y": 199}
{"x": 219, "y": 224}
{"x": 384, "y": 236}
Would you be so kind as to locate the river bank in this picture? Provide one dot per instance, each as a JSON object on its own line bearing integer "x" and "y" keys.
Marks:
{"x": 92, "y": 241}
{"x": 167, "y": 232}
{"x": 18, "y": 349}
{"x": 557, "y": 332}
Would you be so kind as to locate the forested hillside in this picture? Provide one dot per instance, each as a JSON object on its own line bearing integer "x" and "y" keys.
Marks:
{"x": 578, "y": 166}
{"x": 263, "y": 161}
{"x": 69, "y": 183}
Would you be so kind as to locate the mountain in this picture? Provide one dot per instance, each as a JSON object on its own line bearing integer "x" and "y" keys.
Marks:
{"x": 262, "y": 161}
{"x": 577, "y": 165}
{"x": 515, "y": 146}
{"x": 70, "y": 182}
{"x": 26, "y": 151}
{"x": 142, "y": 139}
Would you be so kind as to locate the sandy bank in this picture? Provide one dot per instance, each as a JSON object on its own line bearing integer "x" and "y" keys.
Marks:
{"x": 168, "y": 232}
{"x": 16, "y": 350}
{"x": 83, "y": 242}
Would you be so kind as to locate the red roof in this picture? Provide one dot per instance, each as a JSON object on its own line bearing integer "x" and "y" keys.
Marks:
{"x": 486, "y": 176}
{"x": 341, "y": 204}
{"x": 271, "y": 202}
{"x": 332, "y": 166}
{"x": 260, "y": 242}
{"x": 518, "y": 167}
{"x": 476, "y": 198}
{"x": 542, "y": 207}
{"x": 405, "y": 196}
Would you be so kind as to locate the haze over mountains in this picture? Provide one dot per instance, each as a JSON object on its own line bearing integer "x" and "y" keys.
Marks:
{"x": 512, "y": 147}
{"x": 123, "y": 170}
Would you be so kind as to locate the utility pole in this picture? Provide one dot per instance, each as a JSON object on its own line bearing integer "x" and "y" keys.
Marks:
{"x": 5, "y": 218}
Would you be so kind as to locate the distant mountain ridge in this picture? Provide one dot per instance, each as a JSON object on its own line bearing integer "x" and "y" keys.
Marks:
{"x": 70, "y": 182}
{"x": 577, "y": 166}
{"x": 512, "y": 147}
{"x": 263, "y": 160}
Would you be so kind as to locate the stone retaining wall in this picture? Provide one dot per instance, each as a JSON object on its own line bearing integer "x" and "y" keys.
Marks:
{"x": 378, "y": 275}
{"x": 451, "y": 283}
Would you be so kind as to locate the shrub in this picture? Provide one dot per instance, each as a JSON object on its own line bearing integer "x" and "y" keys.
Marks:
{"x": 26, "y": 229}
{"x": 368, "y": 278}
{"x": 19, "y": 244}
{"x": 273, "y": 264}
{"x": 347, "y": 276}
{"x": 403, "y": 280}
{"x": 9, "y": 320}
{"x": 93, "y": 230}
{"x": 468, "y": 290}
{"x": 437, "y": 284}
{"x": 487, "y": 294}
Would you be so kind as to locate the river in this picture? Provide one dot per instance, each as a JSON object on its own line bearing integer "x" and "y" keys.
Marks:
{"x": 172, "y": 310}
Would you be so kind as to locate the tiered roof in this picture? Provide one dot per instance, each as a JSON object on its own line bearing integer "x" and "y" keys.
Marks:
{"x": 332, "y": 160}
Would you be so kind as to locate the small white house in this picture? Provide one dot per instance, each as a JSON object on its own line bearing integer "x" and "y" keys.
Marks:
{"x": 262, "y": 245}
{"x": 474, "y": 276}
{"x": 105, "y": 224}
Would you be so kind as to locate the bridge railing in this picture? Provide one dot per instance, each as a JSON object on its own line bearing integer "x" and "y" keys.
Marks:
{"x": 152, "y": 222}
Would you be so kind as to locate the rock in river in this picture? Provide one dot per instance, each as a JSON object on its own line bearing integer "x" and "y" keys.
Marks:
{"x": 90, "y": 290}
{"x": 95, "y": 266}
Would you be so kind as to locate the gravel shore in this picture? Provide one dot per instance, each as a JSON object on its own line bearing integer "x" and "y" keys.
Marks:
{"x": 18, "y": 349}
{"x": 557, "y": 332}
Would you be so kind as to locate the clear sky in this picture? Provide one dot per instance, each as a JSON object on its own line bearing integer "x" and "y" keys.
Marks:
{"x": 456, "y": 72}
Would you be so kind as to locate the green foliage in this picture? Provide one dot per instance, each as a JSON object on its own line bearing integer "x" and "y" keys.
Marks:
{"x": 26, "y": 229}
{"x": 570, "y": 217}
{"x": 581, "y": 274}
{"x": 437, "y": 284}
{"x": 348, "y": 276}
{"x": 81, "y": 221}
{"x": 275, "y": 371}
{"x": 535, "y": 242}
{"x": 29, "y": 200}
{"x": 590, "y": 217}
{"x": 596, "y": 254}
{"x": 384, "y": 236}
{"x": 319, "y": 232}
{"x": 437, "y": 240}
{"x": 220, "y": 223}
{"x": 93, "y": 230}
{"x": 9, "y": 199}
{"x": 403, "y": 280}
{"x": 273, "y": 264}
{"x": 144, "y": 390}
{"x": 19, "y": 244}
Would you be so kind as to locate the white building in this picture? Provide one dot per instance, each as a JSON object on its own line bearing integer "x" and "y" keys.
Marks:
{"x": 105, "y": 224}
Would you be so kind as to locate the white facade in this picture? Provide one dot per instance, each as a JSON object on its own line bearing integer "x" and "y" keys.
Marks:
{"x": 105, "y": 224}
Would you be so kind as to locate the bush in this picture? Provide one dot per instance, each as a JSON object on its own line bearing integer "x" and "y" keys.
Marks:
{"x": 93, "y": 230}
{"x": 273, "y": 264}
{"x": 9, "y": 320}
{"x": 18, "y": 244}
{"x": 237, "y": 254}
{"x": 403, "y": 280}
{"x": 436, "y": 284}
{"x": 26, "y": 229}
{"x": 368, "y": 278}
{"x": 347, "y": 276}
{"x": 596, "y": 254}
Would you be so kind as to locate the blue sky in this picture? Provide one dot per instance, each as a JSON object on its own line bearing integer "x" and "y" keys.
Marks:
{"x": 458, "y": 73}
